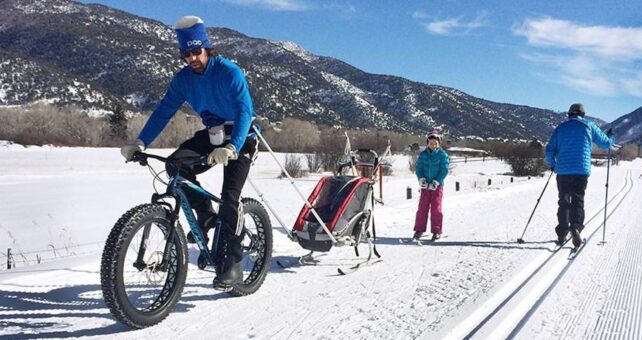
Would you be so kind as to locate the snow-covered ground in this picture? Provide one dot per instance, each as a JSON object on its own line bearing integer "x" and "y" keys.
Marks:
{"x": 58, "y": 205}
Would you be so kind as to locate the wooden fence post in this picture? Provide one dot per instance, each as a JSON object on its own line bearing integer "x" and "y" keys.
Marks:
{"x": 9, "y": 258}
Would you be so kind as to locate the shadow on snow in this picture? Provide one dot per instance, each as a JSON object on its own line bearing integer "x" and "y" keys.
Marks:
{"x": 32, "y": 313}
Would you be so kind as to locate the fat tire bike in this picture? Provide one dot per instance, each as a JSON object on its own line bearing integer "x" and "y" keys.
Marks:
{"x": 145, "y": 260}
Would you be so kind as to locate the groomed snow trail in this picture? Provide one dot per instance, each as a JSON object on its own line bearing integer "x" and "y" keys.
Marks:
{"x": 416, "y": 291}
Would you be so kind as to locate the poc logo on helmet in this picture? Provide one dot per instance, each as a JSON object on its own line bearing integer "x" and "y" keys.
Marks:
{"x": 194, "y": 43}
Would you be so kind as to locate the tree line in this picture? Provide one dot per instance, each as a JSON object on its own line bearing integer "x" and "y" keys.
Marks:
{"x": 41, "y": 124}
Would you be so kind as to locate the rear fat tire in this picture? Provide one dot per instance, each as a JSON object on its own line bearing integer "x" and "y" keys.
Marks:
{"x": 262, "y": 256}
{"x": 112, "y": 266}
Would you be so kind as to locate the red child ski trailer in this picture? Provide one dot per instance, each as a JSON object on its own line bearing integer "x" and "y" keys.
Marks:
{"x": 344, "y": 203}
{"x": 339, "y": 211}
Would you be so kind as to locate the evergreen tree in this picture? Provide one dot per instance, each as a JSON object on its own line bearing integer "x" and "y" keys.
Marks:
{"x": 118, "y": 124}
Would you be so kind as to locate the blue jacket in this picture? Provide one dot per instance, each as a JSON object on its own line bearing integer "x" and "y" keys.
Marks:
{"x": 569, "y": 149}
{"x": 432, "y": 165}
{"x": 218, "y": 95}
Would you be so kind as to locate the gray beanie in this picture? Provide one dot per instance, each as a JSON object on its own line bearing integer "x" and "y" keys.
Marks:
{"x": 576, "y": 109}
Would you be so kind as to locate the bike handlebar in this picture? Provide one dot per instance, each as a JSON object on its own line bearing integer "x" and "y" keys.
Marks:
{"x": 141, "y": 158}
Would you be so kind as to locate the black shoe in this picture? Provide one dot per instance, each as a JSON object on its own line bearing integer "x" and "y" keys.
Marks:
{"x": 232, "y": 275}
{"x": 435, "y": 237}
{"x": 417, "y": 235}
{"x": 561, "y": 235}
{"x": 575, "y": 236}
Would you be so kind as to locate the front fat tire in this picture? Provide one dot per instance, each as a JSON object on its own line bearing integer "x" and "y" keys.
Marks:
{"x": 112, "y": 264}
{"x": 254, "y": 279}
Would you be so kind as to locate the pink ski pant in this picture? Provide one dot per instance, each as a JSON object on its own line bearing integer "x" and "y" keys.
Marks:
{"x": 430, "y": 202}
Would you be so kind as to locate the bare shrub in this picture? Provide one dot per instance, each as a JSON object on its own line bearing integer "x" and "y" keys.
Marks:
{"x": 47, "y": 124}
{"x": 292, "y": 135}
{"x": 135, "y": 125}
{"x": 524, "y": 159}
{"x": 331, "y": 149}
{"x": 628, "y": 152}
{"x": 182, "y": 127}
{"x": 412, "y": 161}
{"x": 293, "y": 166}
{"x": 314, "y": 161}
{"x": 300, "y": 135}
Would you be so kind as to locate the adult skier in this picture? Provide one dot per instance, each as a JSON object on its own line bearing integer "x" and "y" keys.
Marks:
{"x": 568, "y": 154}
{"x": 431, "y": 170}
{"x": 217, "y": 90}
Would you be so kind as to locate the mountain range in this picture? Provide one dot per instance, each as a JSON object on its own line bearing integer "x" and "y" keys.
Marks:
{"x": 628, "y": 128}
{"x": 97, "y": 57}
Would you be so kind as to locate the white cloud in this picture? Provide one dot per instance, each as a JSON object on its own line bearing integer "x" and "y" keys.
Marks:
{"x": 275, "y": 5}
{"x": 611, "y": 42}
{"x": 633, "y": 85}
{"x": 453, "y": 26}
{"x": 597, "y": 60}
{"x": 577, "y": 72}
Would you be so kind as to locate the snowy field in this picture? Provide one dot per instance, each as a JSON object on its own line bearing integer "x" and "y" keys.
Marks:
{"x": 58, "y": 205}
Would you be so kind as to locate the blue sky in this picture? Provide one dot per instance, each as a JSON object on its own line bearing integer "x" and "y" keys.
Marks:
{"x": 546, "y": 54}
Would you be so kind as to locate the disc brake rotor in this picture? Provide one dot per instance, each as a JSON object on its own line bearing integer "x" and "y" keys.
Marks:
{"x": 153, "y": 271}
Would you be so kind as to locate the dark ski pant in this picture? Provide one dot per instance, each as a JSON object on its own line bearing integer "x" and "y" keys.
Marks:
{"x": 234, "y": 176}
{"x": 570, "y": 212}
{"x": 430, "y": 202}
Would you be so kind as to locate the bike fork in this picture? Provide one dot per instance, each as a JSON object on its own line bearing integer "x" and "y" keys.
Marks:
{"x": 140, "y": 263}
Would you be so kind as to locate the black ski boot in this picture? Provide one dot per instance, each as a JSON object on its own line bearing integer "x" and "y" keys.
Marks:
{"x": 435, "y": 237}
{"x": 575, "y": 236}
{"x": 417, "y": 235}
{"x": 560, "y": 240}
{"x": 561, "y": 235}
{"x": 228, "y": 270}
{"x": 232, "y": 274}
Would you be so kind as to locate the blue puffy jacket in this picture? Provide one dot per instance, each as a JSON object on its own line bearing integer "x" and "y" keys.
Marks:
{"x": 219, "y": 95}
{"x": 569, "y": 149}
{"x": 432, "y": 165}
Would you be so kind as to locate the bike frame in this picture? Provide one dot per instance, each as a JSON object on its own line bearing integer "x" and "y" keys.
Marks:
{"x": 176, "y": 190}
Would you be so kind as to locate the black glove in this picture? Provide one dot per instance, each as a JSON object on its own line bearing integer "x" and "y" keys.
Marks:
{"x": 610, "y": 132}
{"x": 552, "y": 168}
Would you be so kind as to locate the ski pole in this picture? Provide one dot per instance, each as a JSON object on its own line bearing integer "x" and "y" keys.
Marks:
{"x": 521, "y": 239}
{"x": 606, "y": 194}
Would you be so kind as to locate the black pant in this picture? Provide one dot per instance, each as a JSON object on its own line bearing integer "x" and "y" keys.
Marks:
{"x": 570, "y": 212}
{"x": 234, "y": 176}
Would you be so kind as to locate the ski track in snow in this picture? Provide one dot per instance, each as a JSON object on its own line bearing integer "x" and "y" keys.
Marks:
{"x": 416, "y": 291}
{"x": 506, "y": 311}
{"x": 611, "y": 305}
